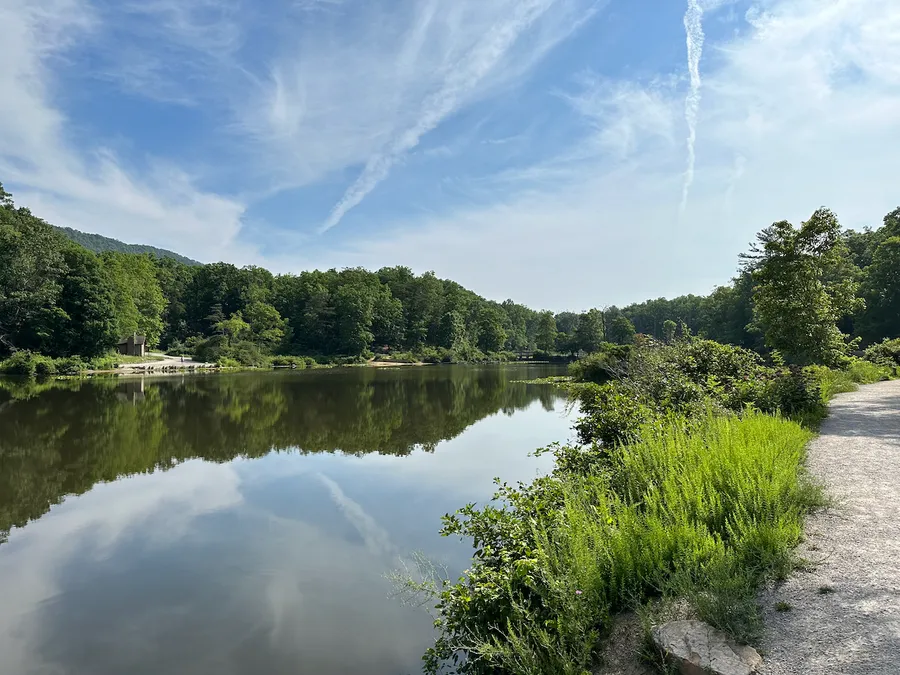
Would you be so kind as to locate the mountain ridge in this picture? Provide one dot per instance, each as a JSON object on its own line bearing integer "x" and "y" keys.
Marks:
{"x": 98, "y": 244}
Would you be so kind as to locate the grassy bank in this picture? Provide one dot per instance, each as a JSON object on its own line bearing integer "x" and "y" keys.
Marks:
{"x": 687, "y": 489}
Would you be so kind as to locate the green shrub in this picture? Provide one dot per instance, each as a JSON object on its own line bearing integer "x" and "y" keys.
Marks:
{"x": 706, "y": 514}
{"x": 611, "y": 415}
{"x": 44, "y": 366}
{"x": 610, "y": 363}
{"x": 22, "y": 363}
{"x": 867, "y": 372}
{"x": 72, "y": 365}
{"x": 227, "y": 362}
{"x": 885, "y": 353}
{"x": 298, "y": 362}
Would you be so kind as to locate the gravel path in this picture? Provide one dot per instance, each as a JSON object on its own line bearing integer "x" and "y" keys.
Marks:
{"x": 845, "y": 612}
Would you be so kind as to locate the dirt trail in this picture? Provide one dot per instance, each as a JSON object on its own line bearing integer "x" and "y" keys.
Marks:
{"x": 844, "y": 616}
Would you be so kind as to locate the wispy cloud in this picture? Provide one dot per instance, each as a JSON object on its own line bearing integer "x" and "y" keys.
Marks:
{"x": 91, "y": 190}
{"x": 802, "y": 108}
{"x": 693, "y": 26}
{"x": 462, "y": 75}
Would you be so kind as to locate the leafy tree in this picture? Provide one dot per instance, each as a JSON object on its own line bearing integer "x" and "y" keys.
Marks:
{"x": 31, "y": 265}
{"x": 798, "y": 299}
{"x": 589, "y": 333}
{"x": 491, "y": 334}
{"x": 881, "y": 290}
{"x": 233, "y": 328}
{"x": 87, "y": 323}
{"x": 452, "y": 333}
{"x": 546, "y": 333}
{"x": 669, "y": 328}
{"x": 139, "y": 300}
{"x": 353, "y": 311}
{"x": 267, "y": 328}
{"x": 621, "y": 331}
{"x": 567, "y": 322}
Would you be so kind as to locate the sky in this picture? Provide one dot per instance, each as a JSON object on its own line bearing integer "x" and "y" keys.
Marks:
{"x": 564, "y": 153}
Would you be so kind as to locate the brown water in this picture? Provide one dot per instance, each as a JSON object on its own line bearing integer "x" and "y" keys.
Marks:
{"x": 244, "y": 524}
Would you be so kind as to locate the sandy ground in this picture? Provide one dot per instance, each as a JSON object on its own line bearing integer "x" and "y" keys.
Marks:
{"x": 844, "y": 615}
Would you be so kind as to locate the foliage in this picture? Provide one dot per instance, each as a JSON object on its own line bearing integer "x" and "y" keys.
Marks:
{"x": 589, "y": 331}
{"x": 621, "y": 331}
{"x": 881, "y": 290}
{"x": 546, "y": 332}
{"x": 677, "y": 512}
{"x": 137, "y": 296}
{"x": 609, "y": 362}
{"x": 801, "y": 289}
{"x": 885, "y": 353}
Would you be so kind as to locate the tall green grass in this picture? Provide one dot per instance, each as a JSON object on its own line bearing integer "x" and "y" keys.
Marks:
{"x": 703, "y": 514}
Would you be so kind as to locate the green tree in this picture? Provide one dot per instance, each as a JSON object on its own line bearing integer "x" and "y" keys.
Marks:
{"x": 799, "y": 298}
{"x": 621, "y": 331}
{"x": 233, "y": 328}
{"x": 881, "y": 290}
{"x": 546, "y": 332}
{"x": 452, "y": 333}
{"x": 87, "y": 323}
{"x": 589, "y": 331}
{"x": 31, "y": 266}
{"x": 491, "y": 334}
{"x": 139, "y": 299}
{"x": 669, "y": 328}
{"x": 267, "y": 328}
{"x": 353, "y": 312}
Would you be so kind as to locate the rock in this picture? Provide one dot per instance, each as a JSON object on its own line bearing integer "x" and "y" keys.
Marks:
{"x": 698, "y": 649}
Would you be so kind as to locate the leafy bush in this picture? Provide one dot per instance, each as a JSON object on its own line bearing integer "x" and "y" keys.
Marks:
{"x": 611, "y": 415}
{"x": 609, "y": 363}
{"x": 219, "y": 348}
{"x": 298, "y": 362}
{"x": 886, "y": 353}
{"x": 44, "y": 366}
{"x": 22, "y": 363}
{"x": 867, "y": 372}
{"x": 72, "y": 365}
{"x": 679, "y": 512}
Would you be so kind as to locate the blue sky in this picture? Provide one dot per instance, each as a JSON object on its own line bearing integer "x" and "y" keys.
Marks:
{"x": 565, "y": 153}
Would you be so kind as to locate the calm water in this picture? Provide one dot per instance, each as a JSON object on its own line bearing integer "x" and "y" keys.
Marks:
{"x": 233, "y": 524}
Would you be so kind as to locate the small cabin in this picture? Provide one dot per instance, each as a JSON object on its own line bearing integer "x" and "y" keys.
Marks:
{"x": 133, "y": 345}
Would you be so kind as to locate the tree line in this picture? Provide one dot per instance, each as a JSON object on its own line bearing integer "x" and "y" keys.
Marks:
{"x": 800, "y": 290}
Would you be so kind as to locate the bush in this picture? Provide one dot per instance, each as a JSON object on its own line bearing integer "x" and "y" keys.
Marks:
{"x": 609, "y": 363}
{"x": 867, "y": 372}
{"x": 218, "y": 348}
{"x": 706, "y": 515}
{"x": 72, "y": 365}
{"x": 886, "y": 353}
{"x": 22, "y": 363}
{"x": 44, "y": 366}
{"x": 298, "y": 362}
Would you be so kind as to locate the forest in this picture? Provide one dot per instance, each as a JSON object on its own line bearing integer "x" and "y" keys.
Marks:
{"x": 812, "y": 292}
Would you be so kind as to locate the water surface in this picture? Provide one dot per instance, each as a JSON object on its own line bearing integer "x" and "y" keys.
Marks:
{"x": 243, "y": 524}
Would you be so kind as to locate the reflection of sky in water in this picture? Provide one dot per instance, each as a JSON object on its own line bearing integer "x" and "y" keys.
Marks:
{"x": 272, "y": 565}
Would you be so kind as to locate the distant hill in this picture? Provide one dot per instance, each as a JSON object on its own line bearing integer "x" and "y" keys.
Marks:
{"x": 98, "y": 243}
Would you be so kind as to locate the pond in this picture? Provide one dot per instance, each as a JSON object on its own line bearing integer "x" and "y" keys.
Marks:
{"x": 246, "y": 523}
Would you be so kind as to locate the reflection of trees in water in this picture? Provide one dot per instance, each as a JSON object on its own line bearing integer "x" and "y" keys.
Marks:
{"x": 61, "y": 438}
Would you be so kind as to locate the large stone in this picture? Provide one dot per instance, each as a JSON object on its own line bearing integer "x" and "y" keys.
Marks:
{"x": 699, "y": 649}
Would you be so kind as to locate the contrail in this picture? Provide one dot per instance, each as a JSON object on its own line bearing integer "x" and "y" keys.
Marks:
{"x": 693, "y": 26}
{"x": 464, "y": 77}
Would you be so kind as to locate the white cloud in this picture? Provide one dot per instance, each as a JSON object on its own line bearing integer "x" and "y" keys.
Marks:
{"x": 89, "y": 190}
{"x": 801, "y": 109}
